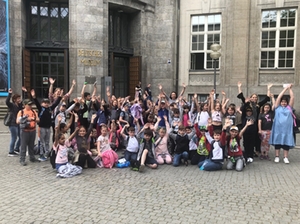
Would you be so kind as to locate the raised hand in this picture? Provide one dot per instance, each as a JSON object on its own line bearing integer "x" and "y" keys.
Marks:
{"x": 24, "y": 89}
{"x": 9, "y": 90}
{"x": 52, "y": 81}
{"x": 32, "y": 92}
{"x": 73, "y": 82}
{"x": 270, "y": 85}
{"x": 239, "y": 84}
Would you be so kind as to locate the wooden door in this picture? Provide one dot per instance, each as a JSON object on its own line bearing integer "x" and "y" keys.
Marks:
{"x": 26, "y": 69}
{"x": 134, "y": 74}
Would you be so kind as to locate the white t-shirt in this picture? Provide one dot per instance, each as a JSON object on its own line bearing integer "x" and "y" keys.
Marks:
{"x": 133, "y": 144}
{"x": 104, "y": 143}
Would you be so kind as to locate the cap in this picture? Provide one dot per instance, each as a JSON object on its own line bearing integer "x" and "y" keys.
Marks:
{"x": 234, "y": 128}
{"x": 64, "y": 104}
{"x": 27, "y": 102}
{"x": 126, "y": 105}
{"x": 45, "y": 100}
{"x": 163, "y": 101}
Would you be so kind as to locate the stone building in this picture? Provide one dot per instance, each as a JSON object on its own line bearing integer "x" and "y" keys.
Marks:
{"x": 119, "y": 42}
{"x": 258, "y": 40}
{"x": 114, "y": 42}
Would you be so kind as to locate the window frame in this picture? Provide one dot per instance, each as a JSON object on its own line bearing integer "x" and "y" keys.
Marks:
{"x": 205, "y": 33}
{"x": 277, "y": 49}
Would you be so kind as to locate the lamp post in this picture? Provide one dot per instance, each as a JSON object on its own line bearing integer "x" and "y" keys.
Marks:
{"x": 215, "y": 54}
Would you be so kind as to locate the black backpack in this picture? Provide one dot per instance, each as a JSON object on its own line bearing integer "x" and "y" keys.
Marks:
{"x": 52, "y": 157}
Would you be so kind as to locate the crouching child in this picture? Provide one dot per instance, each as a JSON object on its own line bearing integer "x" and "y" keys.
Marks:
{"x": 235, "y": 154}
{"x": 216, "y": 155}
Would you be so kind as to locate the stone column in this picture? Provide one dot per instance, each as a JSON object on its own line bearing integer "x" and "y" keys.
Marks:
{"x": 86, "y": 42}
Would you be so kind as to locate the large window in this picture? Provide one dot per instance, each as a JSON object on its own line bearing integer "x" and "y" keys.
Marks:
{"x": 48, "y": 21}
{"x": 205, "y": 31}
{"x": 278, "y": 34}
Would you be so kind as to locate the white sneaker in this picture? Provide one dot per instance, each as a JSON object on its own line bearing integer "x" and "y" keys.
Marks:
{"x": 249, "y": 160}
{"x": 276, "y": 160}
{"x": 286, "y": 160}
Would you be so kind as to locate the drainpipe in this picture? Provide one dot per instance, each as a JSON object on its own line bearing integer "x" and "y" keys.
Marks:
{"x": 177, "y": 45}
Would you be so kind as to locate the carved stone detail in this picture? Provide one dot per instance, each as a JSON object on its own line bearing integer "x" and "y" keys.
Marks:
{"x": 279, "y": 79}
{"x": 203, "y": 80}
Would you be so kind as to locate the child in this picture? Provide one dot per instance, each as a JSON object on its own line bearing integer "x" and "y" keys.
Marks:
{"x": 216, "y": 112}
{"x": 182, "y": 141}
{"x": 216, "y": 156}
{"x": 162, "y": 154}
{"x": 79, "y": 141}
{"x": 146, "y": 154}
{"x": 93, "y": 142}
{"x": 114, "y": 135}
{"x": 106, "y": 156}
{"x": 235, "y": 153}
{"x": 132, "y": 146}
{"x": 265, "y": 122}
{"x": 202, "y": 145}
{"x": 62, "y": 166}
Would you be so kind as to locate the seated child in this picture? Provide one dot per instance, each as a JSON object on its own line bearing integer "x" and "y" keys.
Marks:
{"x": 235, "y": 153}
{"x": 146, "y": 154}
{"x": 106, "y": 156}
{"x": 162, "y": 154}
{"x": 182, "y": 141}
{"x": 216, "y": 155}
{"x": 132, "y": 143}
{"x": 93, "y": 142}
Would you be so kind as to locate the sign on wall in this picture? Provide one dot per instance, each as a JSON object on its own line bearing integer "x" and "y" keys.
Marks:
{"x": 4, "y": 48}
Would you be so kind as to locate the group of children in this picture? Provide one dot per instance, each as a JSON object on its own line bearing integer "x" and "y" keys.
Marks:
{"x": 169, "y": 130}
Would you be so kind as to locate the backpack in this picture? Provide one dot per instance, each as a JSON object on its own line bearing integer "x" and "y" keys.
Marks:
{"x": 52, "y": 157}
{"x": 202, "y": 150}
{"x": 109, "y": 158}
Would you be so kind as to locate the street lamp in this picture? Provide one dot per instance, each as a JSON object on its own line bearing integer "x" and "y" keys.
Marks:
{"x": 215, "y": 54}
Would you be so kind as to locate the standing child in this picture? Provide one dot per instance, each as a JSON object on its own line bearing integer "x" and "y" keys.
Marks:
{"x": 265, "y": 122}
{"x": 106, "y": 155}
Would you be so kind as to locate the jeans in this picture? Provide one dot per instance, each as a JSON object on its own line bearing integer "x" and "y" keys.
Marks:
{"x": 177, "y": 158}
{"x": 209, "y": 165}
{"x": 239, "y": 164}
{"x": 45, "y": 139}
{"x": 15, "y": 141}
{"x": 130, "y": 156}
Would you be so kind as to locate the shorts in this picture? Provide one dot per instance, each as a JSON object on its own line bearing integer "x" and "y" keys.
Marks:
{"x": 150, "y": 160}
{"x": 284, "y": 147}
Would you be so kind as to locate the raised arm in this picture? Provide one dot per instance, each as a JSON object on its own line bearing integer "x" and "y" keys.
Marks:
{"x": 37, "y": 103}
{"x": 183, "y": 90}
{"x": 51, "y": 81}
{"x": 291, "y": 103}
{"x": 248, "y": 123}
{"x": 277, "y": 102}
{"x": 82, "y": 90}
{"x": 72, "y": 87}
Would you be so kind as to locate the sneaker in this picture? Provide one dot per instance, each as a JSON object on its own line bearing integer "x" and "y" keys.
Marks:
{"x": 276, "y": 160}
{"x": 23, "y": 163}
{"x": 267, "y": 158}
{"x": 286, "y": 160}
{"x": 11, "y": 154}
{"x": 249, "y": 160}
{"x": 17, "y": 152}
{"x": 42, "y": 158}
{"x": 261, "y": 157}
{"x": 142, "y": 168}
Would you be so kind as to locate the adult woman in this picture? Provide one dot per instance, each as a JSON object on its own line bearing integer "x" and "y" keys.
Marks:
{"x": 14, "y": 107}
{"x": 255, "y": 105}
{"x": 282, "y": 129}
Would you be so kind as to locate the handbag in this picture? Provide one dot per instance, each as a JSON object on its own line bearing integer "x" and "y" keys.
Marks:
{"x": 7, "y": 119}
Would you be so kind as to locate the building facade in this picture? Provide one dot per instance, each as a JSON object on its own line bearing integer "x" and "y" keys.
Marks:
{"x": 121, "y": 42}
{"x": 258, "y": 41}
{"x": 114, "y": 42}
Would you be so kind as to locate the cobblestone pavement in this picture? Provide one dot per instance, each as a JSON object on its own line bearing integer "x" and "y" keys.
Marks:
{"x": 264, "y": 192}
